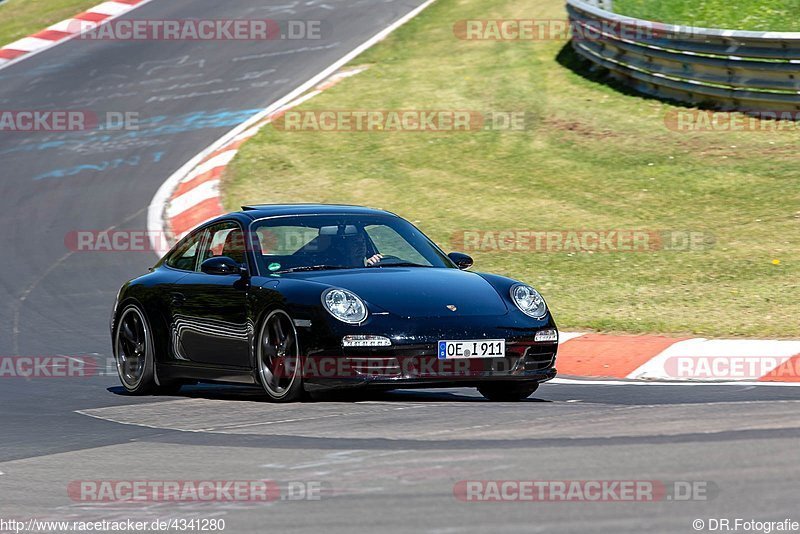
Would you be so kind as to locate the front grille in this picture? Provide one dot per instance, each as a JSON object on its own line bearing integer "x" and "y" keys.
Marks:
{"x": 538, "y": 360}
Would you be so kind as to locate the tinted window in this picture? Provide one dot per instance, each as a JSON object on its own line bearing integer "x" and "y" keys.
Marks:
{"x": 184, "y": 255}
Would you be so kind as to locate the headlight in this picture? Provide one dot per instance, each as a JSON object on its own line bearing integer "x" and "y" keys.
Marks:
{"x": 529, "y": 301}
{"x": 344, "y": 305}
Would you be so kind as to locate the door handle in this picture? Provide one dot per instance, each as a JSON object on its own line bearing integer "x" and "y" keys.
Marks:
{"x": 178, "y": 298}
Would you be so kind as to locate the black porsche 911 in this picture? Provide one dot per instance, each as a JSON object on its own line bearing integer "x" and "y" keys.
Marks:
{"x": 299, "y": 298}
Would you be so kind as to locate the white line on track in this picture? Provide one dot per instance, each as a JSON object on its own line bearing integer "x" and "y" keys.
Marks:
{"x": 103, "y": 418}
{"x": 600, "y": 382}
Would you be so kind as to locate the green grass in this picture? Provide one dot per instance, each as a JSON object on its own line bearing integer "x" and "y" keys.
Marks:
{"x": 756, "y": 15}
{"x": 595, "y": 158}
{"x": 20, "y": 18}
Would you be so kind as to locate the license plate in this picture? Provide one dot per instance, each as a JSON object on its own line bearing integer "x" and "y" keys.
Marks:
{"x": 481, "y": 348}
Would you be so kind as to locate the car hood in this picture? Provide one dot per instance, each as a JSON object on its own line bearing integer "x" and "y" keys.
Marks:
{"x": 418, "y": 291}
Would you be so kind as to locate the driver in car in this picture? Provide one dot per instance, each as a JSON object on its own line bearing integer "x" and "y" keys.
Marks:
{"x": 355, "y": 247}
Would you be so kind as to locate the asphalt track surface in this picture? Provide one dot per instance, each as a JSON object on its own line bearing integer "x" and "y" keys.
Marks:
{"x": 387, "y": 461}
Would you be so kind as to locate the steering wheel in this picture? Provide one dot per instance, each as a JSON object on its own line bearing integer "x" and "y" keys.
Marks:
{"x": 383, "y": 259}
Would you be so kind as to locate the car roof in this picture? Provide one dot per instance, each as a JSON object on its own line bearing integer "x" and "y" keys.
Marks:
{"x": 258, "y": 211}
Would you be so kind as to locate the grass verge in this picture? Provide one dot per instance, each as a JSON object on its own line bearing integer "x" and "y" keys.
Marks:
{"x": 20, "y": 18}
{"x": 755, "y": 15}
{"x": 594, "y": 158}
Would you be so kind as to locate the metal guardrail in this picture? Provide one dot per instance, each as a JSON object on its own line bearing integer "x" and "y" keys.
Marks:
{"x": 726, "y": 69}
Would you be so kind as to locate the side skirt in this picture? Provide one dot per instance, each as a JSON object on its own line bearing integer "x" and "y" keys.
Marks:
{"x": 168, "y": 371}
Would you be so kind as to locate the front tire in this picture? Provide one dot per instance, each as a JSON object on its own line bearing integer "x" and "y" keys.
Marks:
{"x": 507, "y": 392}
{"x": 278, "y": 358}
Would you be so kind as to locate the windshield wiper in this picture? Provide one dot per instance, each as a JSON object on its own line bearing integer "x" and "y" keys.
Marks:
{"x": 312, "y": 268}
{"x": 399, "y": 264}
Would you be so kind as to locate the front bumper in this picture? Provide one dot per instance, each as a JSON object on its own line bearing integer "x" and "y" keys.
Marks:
{"x": 412, "y": 359}
{"x": 418, "y": 366}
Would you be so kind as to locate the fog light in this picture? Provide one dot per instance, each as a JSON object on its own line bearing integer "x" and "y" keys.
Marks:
{"x": 365, "y": 341}
{"x": 546, "y": 335}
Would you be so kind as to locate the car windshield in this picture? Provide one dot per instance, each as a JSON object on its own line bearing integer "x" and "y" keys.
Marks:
{"x": 327, "y": 242}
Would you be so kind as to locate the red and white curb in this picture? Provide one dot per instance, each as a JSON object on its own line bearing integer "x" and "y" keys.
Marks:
{"x": 65, "y": 30}
{"x": 662, "y": 358}
{"x": 196, "y": 198}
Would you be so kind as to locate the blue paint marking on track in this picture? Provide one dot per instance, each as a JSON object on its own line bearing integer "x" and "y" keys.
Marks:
{"x": 102, "y": 166}
{"x": 159, "y": 125}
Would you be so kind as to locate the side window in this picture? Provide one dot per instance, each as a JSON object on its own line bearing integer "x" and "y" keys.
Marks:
{"x": 389, "y": 243}
{"x": 185, "y": 255}
{"x": 226, "y": 239}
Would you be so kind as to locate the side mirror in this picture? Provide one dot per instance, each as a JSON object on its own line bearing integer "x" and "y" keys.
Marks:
{"x": 223, "y": 265}
{"x": 462, "y": 261}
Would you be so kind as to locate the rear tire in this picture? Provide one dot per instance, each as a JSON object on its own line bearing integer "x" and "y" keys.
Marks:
{"x": 133, "y": 351}
{"x": 507, "y": 392}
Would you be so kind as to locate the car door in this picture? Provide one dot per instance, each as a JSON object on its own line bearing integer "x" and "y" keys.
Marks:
{"x": 209, "y": 311}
